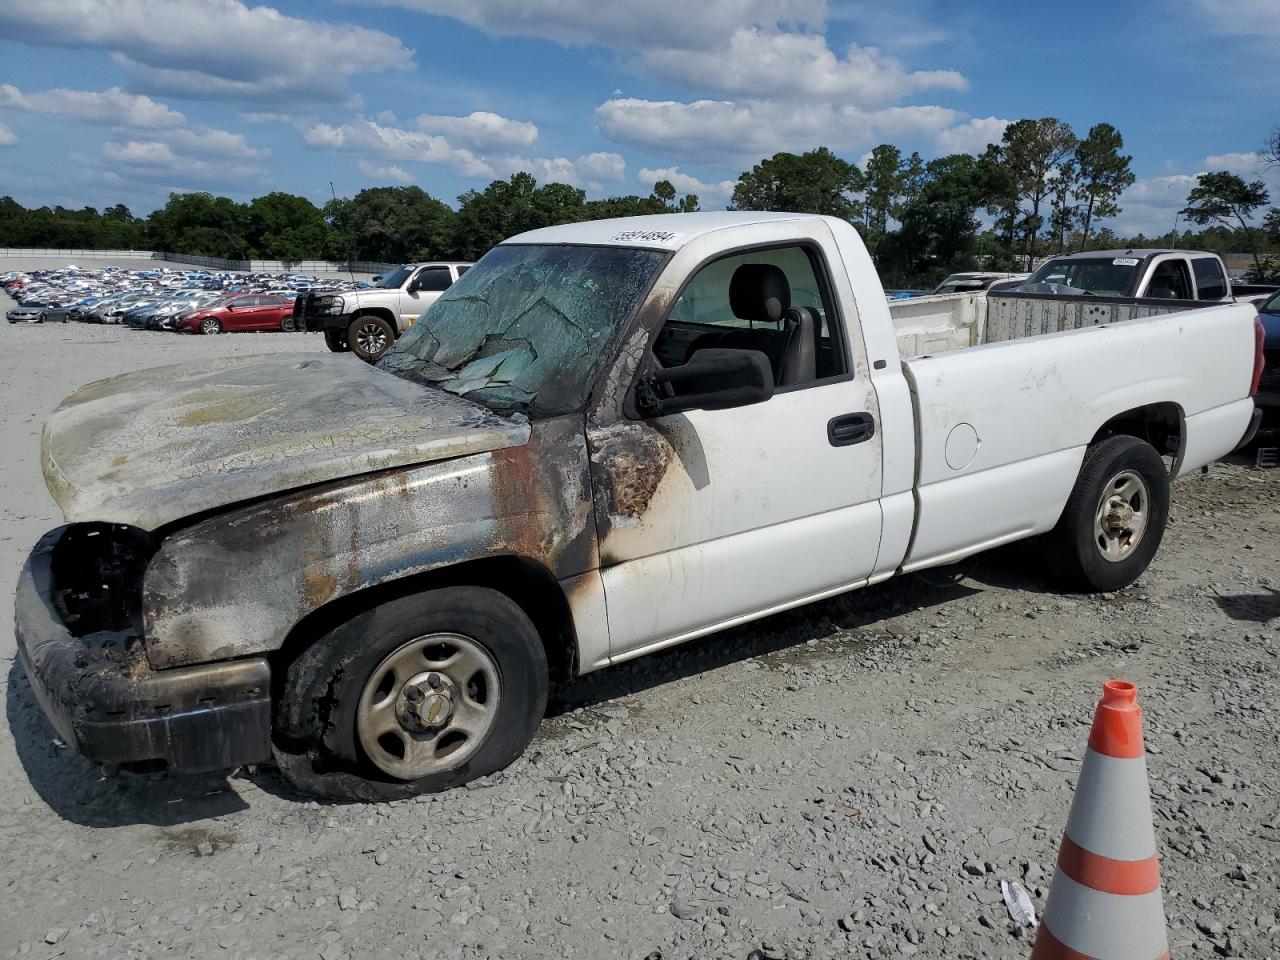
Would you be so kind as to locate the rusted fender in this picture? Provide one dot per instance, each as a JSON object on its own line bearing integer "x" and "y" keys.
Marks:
{"x": 151, "y": 448}
{"x": 236, "y": 583}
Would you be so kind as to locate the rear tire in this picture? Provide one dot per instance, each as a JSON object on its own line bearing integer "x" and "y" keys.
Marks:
{"x": 370, "y": 337}
{"x": 288, "y": 324}
{"x": 330, "y": 725}
{"x": 1114, "y": 519}
{"x": 336, "y": 340}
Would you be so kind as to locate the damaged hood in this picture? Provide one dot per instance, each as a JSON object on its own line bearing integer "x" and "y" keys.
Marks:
{"x": 149, "y": 448}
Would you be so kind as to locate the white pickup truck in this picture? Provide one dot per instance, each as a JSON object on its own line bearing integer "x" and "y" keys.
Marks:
{"x": 605, "y": 439}
{"x": 368, "y": 321}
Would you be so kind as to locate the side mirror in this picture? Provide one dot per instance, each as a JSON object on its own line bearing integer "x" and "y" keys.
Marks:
{"x": 711, "y": 379}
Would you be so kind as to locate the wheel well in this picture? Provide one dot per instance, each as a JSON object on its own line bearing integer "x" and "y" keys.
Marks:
{"x": 1160, "y": 424}
{"x": 530, "y": 585}
{"x": 380, "y": 312}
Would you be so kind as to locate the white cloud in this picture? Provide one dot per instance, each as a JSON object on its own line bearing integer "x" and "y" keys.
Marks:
{"x": 382, "y": 142}
{"x": 684, "y": 183}
{"x": 1251, "y": 18}
{"x": 972, "y": 136}
{"x": 113, "y": 107}
{"x": 771, "y": 63}
{"x": 733, "y": 130}
{"x": 7, "y": 137}
{"x": 1241, "y": 164}
{"x": 224, "y": 48}
{"x": 389, "y": 171}
{"x": 625, "y": 26}
{"x": 364, "y": 136}
{"x": 152, "y": 160}
{"x": 481, "y": 130}
{"x": 602, "y": 166}
{"x": 208, "y": 142}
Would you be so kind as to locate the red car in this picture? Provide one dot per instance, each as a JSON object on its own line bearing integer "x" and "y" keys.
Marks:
{"x": 249, "y": 311}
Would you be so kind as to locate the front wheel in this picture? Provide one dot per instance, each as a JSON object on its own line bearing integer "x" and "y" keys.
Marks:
{"x": 1115, "y": 517}
{"x": 210, "y": 326}
{"x": 370, "y": 337}
{"x": 417, "y": 695}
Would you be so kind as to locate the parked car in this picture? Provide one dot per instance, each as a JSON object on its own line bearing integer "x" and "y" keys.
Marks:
{"x": 240, "y": 314}
{"x": 976, "y": 280}
{"x": 606, "y": 439}
{"x": 367, "y": 322}
{"x": 25, "y": 314}
{"x": 1269, "y": 386}
{"x": 1142, "y": 274}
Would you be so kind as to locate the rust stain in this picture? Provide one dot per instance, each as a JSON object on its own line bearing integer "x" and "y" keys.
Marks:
{"x": 120, "y": 461}
{"x": 629, "y": 462}
{"x": 225, "y": 411}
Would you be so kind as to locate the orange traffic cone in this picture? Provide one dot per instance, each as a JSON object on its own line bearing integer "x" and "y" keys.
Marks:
{"x": 1105, "y": 899}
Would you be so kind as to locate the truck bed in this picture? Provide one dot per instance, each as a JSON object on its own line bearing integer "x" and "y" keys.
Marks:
{"x": 1002, "y": 427}
{"x": 954, "y": 321}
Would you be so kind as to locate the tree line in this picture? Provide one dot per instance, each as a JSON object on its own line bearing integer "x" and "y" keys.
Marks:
{"x": 1041, "y": 189}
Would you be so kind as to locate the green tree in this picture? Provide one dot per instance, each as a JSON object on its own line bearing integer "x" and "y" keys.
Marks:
{"x": 283, "y": 226}
{"x": 813, "y": 182}
{"x": 663, "y": 199}
{"x": 1063, "y": 214}
{"x": 507, "y": 207}
{"x": 1104, "y": 175}
{"x": 1032, "y": 151}
{"x": 884, "y": 186}
{"x": 200, "y": 224}
{"x": 391, "y": 225}
{"x": 1225, "y": 198}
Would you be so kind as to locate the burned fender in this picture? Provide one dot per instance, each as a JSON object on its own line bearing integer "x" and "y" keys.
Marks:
{"x": 236, "y": 583}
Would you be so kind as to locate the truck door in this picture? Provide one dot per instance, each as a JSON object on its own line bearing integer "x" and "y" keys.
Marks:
{"x": 713, "y": 516}
{"x": 421, "y": 292}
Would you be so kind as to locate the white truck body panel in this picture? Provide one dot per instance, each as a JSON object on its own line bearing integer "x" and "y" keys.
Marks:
{"x": 980, "y": 435}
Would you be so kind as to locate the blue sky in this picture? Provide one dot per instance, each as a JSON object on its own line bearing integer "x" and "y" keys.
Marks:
{"x": 105, "y": 101}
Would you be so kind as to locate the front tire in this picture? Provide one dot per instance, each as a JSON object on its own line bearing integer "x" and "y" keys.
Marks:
{"x": 1115, "y": 517}
{"x": 210, "y": 326}
{"x": 370, "y": 337}
{"x": 417, "y": 695}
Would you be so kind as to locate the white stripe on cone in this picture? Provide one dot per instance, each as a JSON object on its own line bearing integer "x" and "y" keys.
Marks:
{"x": 1111, "y": 810}
{"x": 1107, "y": 926}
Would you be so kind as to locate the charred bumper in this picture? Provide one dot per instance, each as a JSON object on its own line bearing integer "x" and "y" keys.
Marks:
{"x": 102, "y": 696}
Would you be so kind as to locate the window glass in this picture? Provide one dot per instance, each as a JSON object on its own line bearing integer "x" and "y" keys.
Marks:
{"x": 463, "y": 269}
{"x": 1169, "y": 281}
{"x": 1211, "y": 283}
{"x": 433, "y": 279}
{"x": 703, "y": 316}
{"x": 242, "y": 302}
{"x": 1097, "y": 276}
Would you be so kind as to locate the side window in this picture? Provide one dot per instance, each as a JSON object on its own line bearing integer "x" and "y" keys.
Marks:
{"x": 462, "y": 269}
{"x": 433, "y": 279}
{"x": 1170, "y": 281}
{"x": 242, "y": 302}
{"x": 772, "y": 300}
{"x": 1211, "y": 282}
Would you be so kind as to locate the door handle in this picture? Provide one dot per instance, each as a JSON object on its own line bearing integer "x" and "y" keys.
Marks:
{"x": 850, "y": 428}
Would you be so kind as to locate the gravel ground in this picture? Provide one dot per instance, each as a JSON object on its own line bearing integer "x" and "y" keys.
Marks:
{"x": 851, "y": 779}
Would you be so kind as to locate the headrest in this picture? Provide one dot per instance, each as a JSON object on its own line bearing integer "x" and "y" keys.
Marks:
{"x": 759, "y": 292}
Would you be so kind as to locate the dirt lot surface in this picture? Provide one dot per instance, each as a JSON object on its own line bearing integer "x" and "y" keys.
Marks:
{"x": 850, "y": 779}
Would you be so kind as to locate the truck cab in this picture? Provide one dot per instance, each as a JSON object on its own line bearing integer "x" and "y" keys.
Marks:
{"x": 367, "y": 322}
{"x": 1137, "y": 274}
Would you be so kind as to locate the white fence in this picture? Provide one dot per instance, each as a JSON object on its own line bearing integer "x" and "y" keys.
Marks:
{"x": 210, "y": 263}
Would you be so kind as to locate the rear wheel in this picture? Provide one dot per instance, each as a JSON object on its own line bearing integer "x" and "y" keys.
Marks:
{"x": 1115, "y": 518}
{"x": 370, "y": 337}
{"x": 420, "y": 694}
{"x": 210, "y": 326}
{"x": 336, "y": 340}
{"x": 288, "y": 324}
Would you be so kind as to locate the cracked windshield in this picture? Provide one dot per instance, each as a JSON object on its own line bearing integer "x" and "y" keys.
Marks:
{"x": 526, "y": 327}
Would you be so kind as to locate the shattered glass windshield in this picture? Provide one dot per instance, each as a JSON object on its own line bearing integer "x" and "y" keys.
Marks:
{"x": 527, "y": 327}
